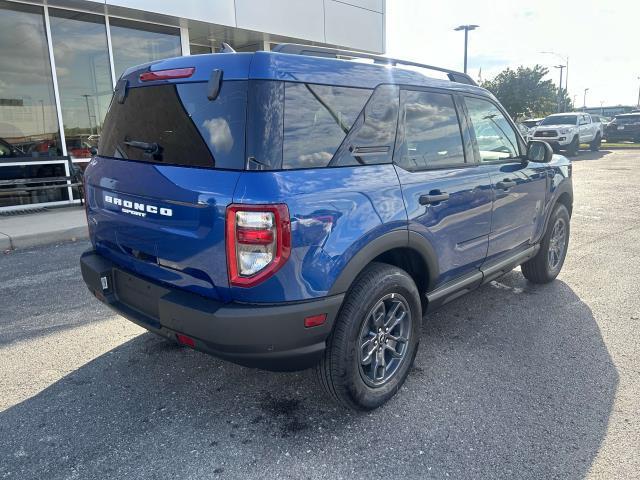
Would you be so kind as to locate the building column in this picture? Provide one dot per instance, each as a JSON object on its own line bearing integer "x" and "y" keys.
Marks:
{"x": 54, "y": 76}
{"x": 184, "y": 38}
{"x": 110, "y": 48}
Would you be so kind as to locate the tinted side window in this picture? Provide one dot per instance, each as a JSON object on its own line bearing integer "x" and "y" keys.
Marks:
{"x": 371, "y": 138}
{"x": 494, "y": 134}
{"x": 430, "y": 135}
{"x": 264, "y": 124}
{"x": 317, "y": 118}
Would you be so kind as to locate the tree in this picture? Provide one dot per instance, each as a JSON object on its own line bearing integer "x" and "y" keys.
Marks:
{"x": 525, "y": 94}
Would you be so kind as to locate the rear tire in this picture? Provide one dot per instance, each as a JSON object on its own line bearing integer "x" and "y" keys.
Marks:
{"x": 574, "y": 147}
{"x": 595, "y": 145}
{"x": 546, "y": 265}
{"x": 364, "y": 365}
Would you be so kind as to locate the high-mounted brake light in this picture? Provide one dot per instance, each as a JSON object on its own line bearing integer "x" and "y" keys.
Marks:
{"x": 167, "y": 74}
{"x": 258, "y": 242}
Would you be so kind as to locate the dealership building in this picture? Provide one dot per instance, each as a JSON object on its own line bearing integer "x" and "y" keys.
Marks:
{"x": 60, "y": 61}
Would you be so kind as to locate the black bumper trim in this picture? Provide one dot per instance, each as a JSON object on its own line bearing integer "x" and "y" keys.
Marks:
{"x": 271, "y": 337}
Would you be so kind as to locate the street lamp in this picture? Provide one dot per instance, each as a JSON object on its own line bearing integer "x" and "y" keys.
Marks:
{"x": 564, "y": 58}
{"x": 638, "y": 94}
{"x": 44, "y": 130}
{"x": 86, "y": 99}
{"x": 466, "y": 29}
{"x": 560, "y": 96}
{"x": 584, "y": 102}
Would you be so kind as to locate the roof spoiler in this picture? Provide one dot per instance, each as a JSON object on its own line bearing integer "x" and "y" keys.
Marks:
{"x": 310, "y": 50}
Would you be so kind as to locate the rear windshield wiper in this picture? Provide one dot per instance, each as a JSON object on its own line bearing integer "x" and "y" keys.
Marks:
{"x": 146, "y": 146}
{"x": 151, "y": 149}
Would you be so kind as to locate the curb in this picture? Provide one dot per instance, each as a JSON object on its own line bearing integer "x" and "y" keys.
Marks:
{"x": 618, "y": 147}
{"x": 5, "y": 242}
{"x": 38, "y": 239}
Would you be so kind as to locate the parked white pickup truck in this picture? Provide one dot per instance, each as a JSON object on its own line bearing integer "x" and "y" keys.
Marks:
{"x": 566, "y": 131}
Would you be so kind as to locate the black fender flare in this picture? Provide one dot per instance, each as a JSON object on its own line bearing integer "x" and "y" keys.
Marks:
{"x": 566, "y": 186}
{"x": 382, "y": 244}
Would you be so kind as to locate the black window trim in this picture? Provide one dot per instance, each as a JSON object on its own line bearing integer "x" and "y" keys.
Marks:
{"x": 348, "y": 137}
{"x": 470, "y": 161}
{"x": 522, "y": 145}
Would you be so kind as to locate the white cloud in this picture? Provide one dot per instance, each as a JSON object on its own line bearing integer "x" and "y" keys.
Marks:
{"x": 220, "y": 136}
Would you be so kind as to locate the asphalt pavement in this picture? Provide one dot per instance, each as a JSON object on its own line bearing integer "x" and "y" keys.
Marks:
{"x": 511, "y": 381}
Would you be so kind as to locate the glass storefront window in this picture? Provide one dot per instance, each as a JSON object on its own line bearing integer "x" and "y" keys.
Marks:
{"x": 84, "y": 77}
{"x": 28, "y": 118}
{"x": 135, "y": 43}
{"x": 199, "y": 49}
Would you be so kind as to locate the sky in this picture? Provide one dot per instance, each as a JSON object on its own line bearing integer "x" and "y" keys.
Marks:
{"x": 600, "y": 38}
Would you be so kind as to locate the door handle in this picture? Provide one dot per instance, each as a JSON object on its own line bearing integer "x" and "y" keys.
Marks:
{"x": 434, "y": 197}
{"x": 505, "y": 184}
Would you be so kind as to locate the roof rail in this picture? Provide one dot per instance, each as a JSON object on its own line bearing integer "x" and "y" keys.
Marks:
{"x": 311, "y": 50}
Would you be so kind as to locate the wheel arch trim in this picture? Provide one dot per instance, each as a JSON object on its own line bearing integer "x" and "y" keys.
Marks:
{"x": 384, "y": 243}
{"x": 564, "y": 188}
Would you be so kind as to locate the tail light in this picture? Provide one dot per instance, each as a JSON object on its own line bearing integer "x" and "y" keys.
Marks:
{"x": 258, "y": 242}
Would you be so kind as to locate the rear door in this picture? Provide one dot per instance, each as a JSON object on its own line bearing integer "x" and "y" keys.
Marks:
{"x": 519, "y": 188}
{"x": 169, "y": 159}
{"x": 448, "y": 198}
{"x": 587, "y": 132}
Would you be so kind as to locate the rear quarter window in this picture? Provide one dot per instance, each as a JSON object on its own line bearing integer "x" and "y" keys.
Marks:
{"x": 317, "y": 118}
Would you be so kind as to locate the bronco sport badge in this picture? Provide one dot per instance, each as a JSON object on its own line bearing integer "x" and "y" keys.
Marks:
{"x": 136, "y": 208}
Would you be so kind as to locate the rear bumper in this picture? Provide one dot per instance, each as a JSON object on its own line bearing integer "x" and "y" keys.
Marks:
{"x": 271, "y": 337}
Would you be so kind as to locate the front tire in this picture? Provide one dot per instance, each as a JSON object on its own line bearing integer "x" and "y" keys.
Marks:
{"x": 574, "y": 147}
{"x": 375, "y": 339}
{"x": 546, "y": 265}
{"x": 595, "y": 145}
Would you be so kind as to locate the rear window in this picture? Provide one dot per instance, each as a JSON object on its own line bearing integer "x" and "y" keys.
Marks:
{"x": 178, "y": 125}
{"x": 628, "y": 119}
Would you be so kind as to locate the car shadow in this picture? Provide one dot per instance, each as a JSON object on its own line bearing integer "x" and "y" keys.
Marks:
{"x": 589, "y": 155}
{"x": 511, "y": 381}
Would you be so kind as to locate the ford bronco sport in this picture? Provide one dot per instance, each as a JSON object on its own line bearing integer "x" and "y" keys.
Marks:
{"x": 296, "y": 208}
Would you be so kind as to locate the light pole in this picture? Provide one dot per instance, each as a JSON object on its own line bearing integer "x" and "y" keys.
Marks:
{"x": 560, "y": 95}
{"x": 44, "y": 130}
{"x": 638, "y": 94}
{"x": 565, "y": 58}
{"x": 86, "y": 99}
{"x": 466, "y": 29}
{"x": 584, "y": 101}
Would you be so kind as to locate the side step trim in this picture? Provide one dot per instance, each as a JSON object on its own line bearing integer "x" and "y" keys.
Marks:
{"x": 491, "y": 272}
{"x": 455, "y": 288}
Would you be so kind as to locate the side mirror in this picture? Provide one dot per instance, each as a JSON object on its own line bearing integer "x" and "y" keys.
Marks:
{"x": 539, "y": 151}
{"x": 94, "y": 151}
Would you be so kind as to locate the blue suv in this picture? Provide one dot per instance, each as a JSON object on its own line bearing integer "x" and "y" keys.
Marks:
{"x": 297, "y": 208}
